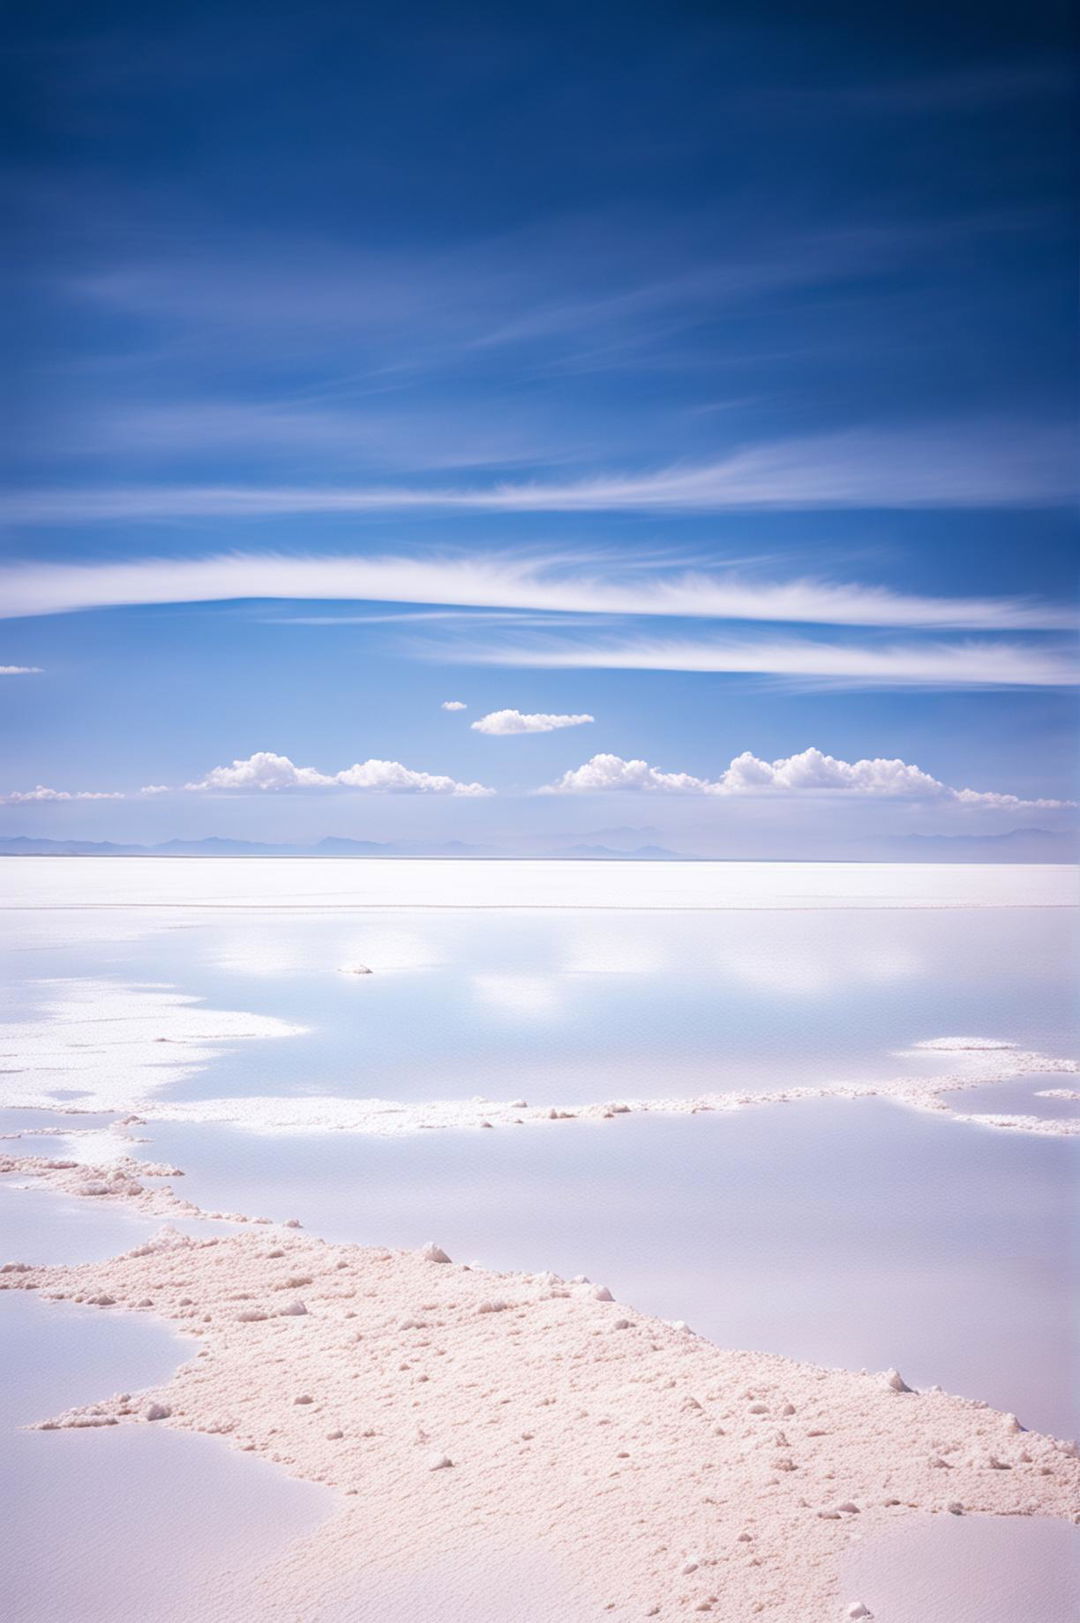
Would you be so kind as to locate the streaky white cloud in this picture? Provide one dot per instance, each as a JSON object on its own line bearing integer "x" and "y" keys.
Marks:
{"x": 453, "y": 704}
{"x": 28, "y": 797}
{"x": 20, "y": 670}
{"x": 504, "y": 580}
{"x": 945, "y": 465}
{"x": 504, "y": 722}
{"x": 811, "y": 772}
{"x": 266, "y": 771}
{"x": 917, "y": 664}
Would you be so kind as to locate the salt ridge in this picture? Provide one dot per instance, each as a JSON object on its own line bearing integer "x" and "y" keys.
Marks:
{"x": 983, "y": 1061}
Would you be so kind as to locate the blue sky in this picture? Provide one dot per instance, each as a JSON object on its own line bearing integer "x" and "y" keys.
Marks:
{"x": 705, "y": 371}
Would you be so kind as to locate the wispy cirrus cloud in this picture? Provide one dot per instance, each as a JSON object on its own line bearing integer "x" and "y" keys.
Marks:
{"x": 811, "y": 772}
{"x": 968, "y": 664}
{"x": 958, "y": 465}
{"x": 620, "y": 279}
{"x": 502, "y": 581}
{"x": 20, "y": 670}
{"x": 503, "y": 723}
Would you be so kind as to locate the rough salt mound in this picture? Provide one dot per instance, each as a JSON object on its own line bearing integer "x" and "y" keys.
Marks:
{"x": 659, "y": 1475}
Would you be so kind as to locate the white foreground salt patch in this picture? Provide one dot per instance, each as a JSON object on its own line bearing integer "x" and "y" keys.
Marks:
{"x": 664, "y": 1472}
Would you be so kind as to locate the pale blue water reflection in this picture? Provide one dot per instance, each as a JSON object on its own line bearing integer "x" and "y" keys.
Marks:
{"x": 1023, "y": 1097}
{"x": 128, "y": 1522}
{"x": 565, "y": 1006}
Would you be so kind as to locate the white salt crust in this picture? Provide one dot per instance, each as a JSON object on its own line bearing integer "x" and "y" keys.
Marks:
{"x": 42, "y": 884}
{"x": 660, "y": 1475}
{"x": 113, "y": 1045}
{"x": 106, "y": 1046}
{"x": 978, "y": 1065}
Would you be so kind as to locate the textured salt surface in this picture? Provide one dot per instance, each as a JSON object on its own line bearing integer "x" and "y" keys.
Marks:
{"x": 845, "y": 1233}
{"x": 459, "y": 1407}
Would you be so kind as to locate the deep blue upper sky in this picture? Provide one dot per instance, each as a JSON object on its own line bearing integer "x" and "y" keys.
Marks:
{"x": 772, "y": 293}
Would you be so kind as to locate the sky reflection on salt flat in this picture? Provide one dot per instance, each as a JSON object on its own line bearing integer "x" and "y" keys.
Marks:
{"x": 568, "y": 1006}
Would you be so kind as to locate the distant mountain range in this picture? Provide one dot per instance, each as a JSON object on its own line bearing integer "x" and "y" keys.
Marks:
{"x": 332, "y": 846}
{"x": 1018, "y": 845}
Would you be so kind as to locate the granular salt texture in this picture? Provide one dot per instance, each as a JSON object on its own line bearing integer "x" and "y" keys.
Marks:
{"x": 643, "y": 1465}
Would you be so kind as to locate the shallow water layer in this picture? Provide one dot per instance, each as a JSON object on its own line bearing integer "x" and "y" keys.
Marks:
{"x": 40, "y": 1225}
{"x": 850, "y": 1233}
{"x": 127, "y": 1522}
{"x": 970, "y": 1569}
{"x": 1024, "y": 1097}
{"x": 562, "y": 1007}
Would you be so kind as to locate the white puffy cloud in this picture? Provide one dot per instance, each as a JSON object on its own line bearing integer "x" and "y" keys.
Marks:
{"x": 26, "y": 797}
{"x": 20, "y": 670}
{"x": 606, "y": 772}
{"x": 263, "y": 770}
{"x": 454, "y": 704}
{"x": 392, "y": 775}
{"x": 811, "y": 772}
{"x": 503, "y": 722}
{"x": 267, "y": 771}
{"x": 812, "y": 769}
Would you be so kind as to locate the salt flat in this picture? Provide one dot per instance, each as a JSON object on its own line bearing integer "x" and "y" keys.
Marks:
{"x": 225, "y": 1037}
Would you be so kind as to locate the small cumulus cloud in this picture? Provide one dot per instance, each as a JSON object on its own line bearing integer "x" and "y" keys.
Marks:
{"x": 267, "y": 771}
{"x": 28, "y": 797}
{"x": 503, "y": 722}
{"x": 608, "y": 772}
{"x": 20, "y": 670}
{"x": 811, "y": 772}
{"x": 454, "y": 704}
